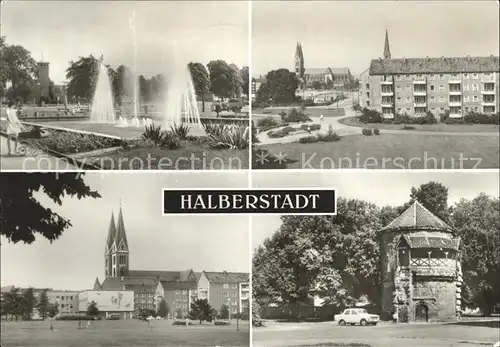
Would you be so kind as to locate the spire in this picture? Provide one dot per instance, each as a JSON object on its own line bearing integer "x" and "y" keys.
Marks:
{"x": 387, "y": 51}
{"x": 120, "y": 235}
{"x": 97, "y": 284}
{"x": 111, "y": 232}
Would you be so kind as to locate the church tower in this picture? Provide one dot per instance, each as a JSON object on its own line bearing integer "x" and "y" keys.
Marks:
{"x": 387, "y": 51}
{"x": 299, "y": 61}
{"x": 117, "y": 253}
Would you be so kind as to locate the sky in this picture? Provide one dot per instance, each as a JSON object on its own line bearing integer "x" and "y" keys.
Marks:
{"x": 61, "y": 31}
{"x": 379, "y": 187}
{"x": 351, "y": 33}
{"x": 211, "y": 243}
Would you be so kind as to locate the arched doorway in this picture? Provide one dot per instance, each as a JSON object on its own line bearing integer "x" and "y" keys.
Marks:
{"x": 421, "y": 312}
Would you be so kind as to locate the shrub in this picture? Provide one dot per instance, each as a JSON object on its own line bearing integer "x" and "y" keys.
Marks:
{"x": 367, "y": 131}
{"x": 308, "y": 139}
{"x": 330, "y": 136}
{"x": 481, "y": 118}
{"x": 221, "y": 322}
{"x": 402, "y": 119}
{"x": 306, "y": 103}
{"x": 295, "y": 116}
{"x": 430, "y": 118}
{"x": 171, "y": 141}
{"x": 268, "y": 122}
{"x": 376, "y": 131}
{"x": 281, "y": 132}
{"x": 230, "y": 136}
{"x": 75, "y": 317}
{"x": 311, "y": 127}
{"x": 181, "y": 130}
{"x": 181, "y": 322}
{"x": 153, "y": 133}
{"x": 356, "y": 106}
{"x": 370, "y": 116}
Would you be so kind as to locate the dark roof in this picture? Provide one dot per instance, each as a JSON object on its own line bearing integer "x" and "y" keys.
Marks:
{"x": 425, "y": 241}
{"x": 162, "y": 275}
{"x": 227, "y": 277}
{"x": 178, "y": 285}
{"x": 434, "y": 65}
{"x": 121, "y": 235}
{"x": 111, "y": 232}
{"x": 417, "y": 217}
{"x": 146, "y": 285}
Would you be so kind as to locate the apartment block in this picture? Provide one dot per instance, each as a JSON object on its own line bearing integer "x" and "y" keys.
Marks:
{"x": 225, "y": 288}
{"x": 415, "y": 86}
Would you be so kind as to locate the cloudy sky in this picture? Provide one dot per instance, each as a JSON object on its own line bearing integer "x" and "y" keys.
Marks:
{"x": 379, "y": 187}
{"x": 351, "y": 33}
{"x": 62, "y": 31}
{"x": 211, "y": 243}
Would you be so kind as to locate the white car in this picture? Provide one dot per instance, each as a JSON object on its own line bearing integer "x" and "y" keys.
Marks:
{"x": 356, "y": 316}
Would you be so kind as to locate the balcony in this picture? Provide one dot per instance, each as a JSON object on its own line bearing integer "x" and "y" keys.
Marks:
{"x": 488, "y": 78}
{"x": 387, "y": 93}
{"x": 420, "y": 81}
{"x": 455, "y": 103}
{"x": 488, "y": 92}
{"x": 455, "y": 92}
{"x": 388, "y": 115}
{"x": 420, "y": 104}
{"x": 456, "y": 114}
{"x": 387, "y": 82}
{"x": 420, "y": 92}
{"x": 388, "y": 104}
{"x": 488, "y": 103}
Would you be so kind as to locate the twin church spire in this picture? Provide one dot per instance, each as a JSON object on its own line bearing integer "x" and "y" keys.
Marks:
{"x": 116, "y": 253}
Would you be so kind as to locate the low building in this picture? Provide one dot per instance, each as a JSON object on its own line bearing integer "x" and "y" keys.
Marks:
{"x": 109, "y": 302}
{"x": 179, "y": 291}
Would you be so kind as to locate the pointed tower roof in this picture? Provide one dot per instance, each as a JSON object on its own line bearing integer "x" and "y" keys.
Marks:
{"x": 387, "y": 50}
{"x": 417, "y": 218}
{"x": 97, "y": 284}
{"x": 120, "y": 230}
{"x": 111, "y": 232}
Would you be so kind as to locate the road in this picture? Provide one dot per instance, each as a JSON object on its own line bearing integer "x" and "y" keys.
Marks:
{"x": 382, "y": 335}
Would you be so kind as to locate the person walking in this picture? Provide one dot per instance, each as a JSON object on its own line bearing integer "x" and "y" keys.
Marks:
{"x": 14, "y": 127}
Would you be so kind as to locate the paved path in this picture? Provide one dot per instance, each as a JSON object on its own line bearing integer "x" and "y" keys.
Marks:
{"x": 345, "y": 130}
{"x": 29, "y": 159}
{"x": 382, "y": 335}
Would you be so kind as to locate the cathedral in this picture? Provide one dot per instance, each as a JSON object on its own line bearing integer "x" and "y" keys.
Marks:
{"x": 179, "y": 289}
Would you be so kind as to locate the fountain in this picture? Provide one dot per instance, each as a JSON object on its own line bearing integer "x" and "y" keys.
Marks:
{"x": 103, "y": 110}
{"x": 181, "y": 105}
{"x": 133, "y": 75}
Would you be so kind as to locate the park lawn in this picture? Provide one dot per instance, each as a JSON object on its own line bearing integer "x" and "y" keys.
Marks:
{"x": 440, "y": 127}
{"x": 122, "y": 333}
{"x": 193, "y": 156}
{"x": 311, "y": 112}
{"x": 393, "y": 151}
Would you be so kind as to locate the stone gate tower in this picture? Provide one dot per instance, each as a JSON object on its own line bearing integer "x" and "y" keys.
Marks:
{"x": 420, "y": 268}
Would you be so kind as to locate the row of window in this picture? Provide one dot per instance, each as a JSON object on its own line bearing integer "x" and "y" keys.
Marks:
{"x": 487, "y": 109}
{"x": 438, "y": 76}
{"x": 234, "y": 294}
{"x": 233, "y": 286}
{"x": 70, "y": 297}
{"x": 466, "y": 98}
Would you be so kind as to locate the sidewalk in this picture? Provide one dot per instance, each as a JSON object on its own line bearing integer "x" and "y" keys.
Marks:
{"x": 29, "y": 159}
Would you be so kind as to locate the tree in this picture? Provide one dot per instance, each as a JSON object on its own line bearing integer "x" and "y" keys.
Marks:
{"x": 29, "y": 303}
{"x": 53, "y": 310}
{"x": 19, "y": 68}
{"x": 178, "y": 314}
{"x": 118, "y": 83}
{"x": 52, "y": 96}
{"x": 163, "y": 310}
{"x": 201, "y": 81}
{"x": 434, "y": 197}
{"x": 92, "y": 309}
{"x": 280, "y": 86}
{"x": 335, "y": 257}
{"x": 43, "y": 304}
{"x": 477, "y": 222}
{"x": 17, "y": 196}
{"x": 201, "y": 310}
{"x": 316, "y": 85}
{"x": 82, "y": 76}
{"x": 12, "y": 304}
{"x": 236, "y": 80}
{"x": 223, "y": 79}
{"x": 224, "y": 312}
{"x": 245, "y": 80}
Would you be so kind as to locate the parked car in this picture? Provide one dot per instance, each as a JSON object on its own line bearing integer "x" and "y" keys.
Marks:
{"x": 356, "y": 316}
